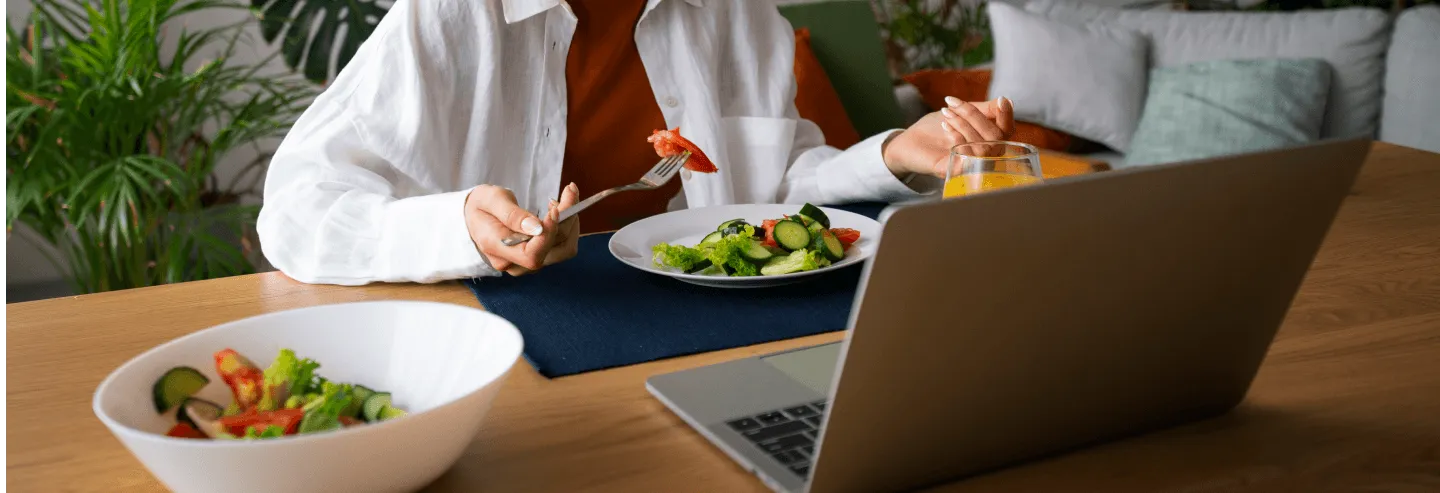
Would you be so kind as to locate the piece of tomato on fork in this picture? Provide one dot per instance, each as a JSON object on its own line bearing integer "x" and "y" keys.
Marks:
{"x": 669, "y": 143}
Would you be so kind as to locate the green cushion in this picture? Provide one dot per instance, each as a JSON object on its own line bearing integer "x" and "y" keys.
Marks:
{"x": 1217, "y": 108}
{"x": 846, "y": 40}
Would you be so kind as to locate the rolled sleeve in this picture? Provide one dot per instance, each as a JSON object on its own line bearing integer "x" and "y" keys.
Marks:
{"x": 425, "y": 238}
{"x": 859, "y": 174}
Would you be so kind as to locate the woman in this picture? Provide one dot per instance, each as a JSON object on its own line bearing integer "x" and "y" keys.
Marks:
{"x": 458, "y": 117}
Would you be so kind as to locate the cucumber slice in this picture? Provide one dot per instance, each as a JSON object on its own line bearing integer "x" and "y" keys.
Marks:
{"x": 362, "y": 392}
{"x": 374, "y": 404}
{"x": 731, "y": 223}
{"x": 712, "y": 238}
{"x": 794, "y": 262}
{"x": 791, "y": 235}
{"x": 358, "y": 394}
{"x": 757, "y": 252}
{"x": 734, "y": 230}
{"x": 815, "y": 213}
{"x": 390, "y": 412}
{"x": 176, "y": 385}
{"x": 828, "y": 245}
{"x": 814, "y": 227}
{"x": 200, "y": 413}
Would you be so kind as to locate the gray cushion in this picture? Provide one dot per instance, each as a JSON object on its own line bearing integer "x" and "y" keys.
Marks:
{"x": 1211, "y": 109}
{"x": 1412, "y": 81}
{"x": 1353, "y": 41}
{"x": 1085, "y": 79}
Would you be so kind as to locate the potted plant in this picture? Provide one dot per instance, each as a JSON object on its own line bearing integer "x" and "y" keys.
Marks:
{"x": 112, "y": 139}
{"x": 926, "y": 34}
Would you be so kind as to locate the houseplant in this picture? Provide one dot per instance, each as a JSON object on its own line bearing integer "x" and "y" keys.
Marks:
{"x": 113, "y": 136}
{"x": 926, "y": 34}
{"x": 309, "y": 31}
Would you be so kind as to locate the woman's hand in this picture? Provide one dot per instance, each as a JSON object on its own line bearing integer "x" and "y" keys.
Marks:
{"x": 491, "y": 214}
{"x": 924, "y": 148}
{"x": 567, "y": 234}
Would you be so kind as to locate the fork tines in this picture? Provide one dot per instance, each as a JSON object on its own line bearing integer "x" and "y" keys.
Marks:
{"x": 671, "y": 164}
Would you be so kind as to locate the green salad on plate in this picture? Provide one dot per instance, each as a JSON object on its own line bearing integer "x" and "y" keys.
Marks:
{"x": 785, "y": 245}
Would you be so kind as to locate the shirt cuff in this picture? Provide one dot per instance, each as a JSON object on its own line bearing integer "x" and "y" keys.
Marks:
{"x": 868, "y": 170}
{"x": 425, "y": 239}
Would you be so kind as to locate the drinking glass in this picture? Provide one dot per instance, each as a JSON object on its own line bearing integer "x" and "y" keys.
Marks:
{"x": 979, "y": 167}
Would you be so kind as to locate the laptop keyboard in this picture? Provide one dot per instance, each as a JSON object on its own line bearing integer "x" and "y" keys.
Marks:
{"x": 786, "y": 434}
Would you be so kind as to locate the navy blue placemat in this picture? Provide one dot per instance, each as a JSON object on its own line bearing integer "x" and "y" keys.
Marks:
{"x": 593, "y": 311}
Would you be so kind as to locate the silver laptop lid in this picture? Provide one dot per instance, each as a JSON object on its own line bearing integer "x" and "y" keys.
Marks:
{"x": 1026, "y": 322}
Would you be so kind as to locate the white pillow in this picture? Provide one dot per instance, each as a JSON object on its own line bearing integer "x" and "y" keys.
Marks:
{"x": 1352, "y": 40}
{"x": 1085, "y": 79}
{"x": 1412, "y": 81}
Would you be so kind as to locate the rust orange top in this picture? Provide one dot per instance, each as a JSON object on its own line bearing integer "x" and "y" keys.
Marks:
{"x": 611, "y": 111}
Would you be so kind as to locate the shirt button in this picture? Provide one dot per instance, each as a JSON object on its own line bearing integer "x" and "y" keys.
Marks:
{"x": 672, "y": 102}
{"x": 554, "y": 45}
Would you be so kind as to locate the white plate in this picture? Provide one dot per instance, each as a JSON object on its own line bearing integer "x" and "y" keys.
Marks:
{"x": 633, "y": 243}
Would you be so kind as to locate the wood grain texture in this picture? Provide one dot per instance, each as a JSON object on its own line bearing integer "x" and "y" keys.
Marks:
{"x": 1347, "y": 400}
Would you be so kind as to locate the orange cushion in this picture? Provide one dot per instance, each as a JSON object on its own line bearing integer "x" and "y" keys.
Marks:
{"x": 816, "y": 99}
{"x": 974, "y": 85}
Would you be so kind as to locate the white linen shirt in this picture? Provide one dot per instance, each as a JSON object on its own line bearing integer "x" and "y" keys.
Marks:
{"x": 371, "y": 181}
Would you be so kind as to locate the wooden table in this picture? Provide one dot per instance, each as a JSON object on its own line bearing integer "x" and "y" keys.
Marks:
{"x": 1348, "y": 400}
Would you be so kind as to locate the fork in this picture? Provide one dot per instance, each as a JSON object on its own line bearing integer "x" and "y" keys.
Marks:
{"x": 655, "y": 178}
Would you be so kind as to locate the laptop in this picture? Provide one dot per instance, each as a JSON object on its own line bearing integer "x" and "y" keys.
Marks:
{"x": 1018, "y": 324}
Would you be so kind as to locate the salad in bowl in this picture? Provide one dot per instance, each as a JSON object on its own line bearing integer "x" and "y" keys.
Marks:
{"x": 286, "y": 398}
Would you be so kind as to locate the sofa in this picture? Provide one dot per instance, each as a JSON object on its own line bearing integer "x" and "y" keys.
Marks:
{"x": 1385, "y": 83}
{"x": 1383, "y": 72}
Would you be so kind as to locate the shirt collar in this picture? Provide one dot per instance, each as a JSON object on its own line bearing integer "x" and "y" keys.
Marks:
{"x": 519, "y": 10}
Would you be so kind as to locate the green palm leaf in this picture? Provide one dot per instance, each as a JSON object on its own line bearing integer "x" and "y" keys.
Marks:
{"x": 311, "y": 30}
{"x": 112, "y": 142}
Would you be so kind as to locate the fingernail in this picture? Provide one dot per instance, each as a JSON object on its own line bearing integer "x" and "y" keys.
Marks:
{"x": 953, "y": 101}
{"x": 947, "y": 112}
{"x": 1007, "y": 104}
{"x": 532, "y": 226}
{"x": 573, "y": 187}
{"x": 946, "y": 126}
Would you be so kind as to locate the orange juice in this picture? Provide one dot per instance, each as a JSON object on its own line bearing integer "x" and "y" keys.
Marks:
{"x": 973, "y": 183}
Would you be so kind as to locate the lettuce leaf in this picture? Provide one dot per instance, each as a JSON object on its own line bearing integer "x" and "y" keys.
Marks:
{"x": 814, "y": 260}
{"x": 729, "y": 252}
{"x": 324, "y": 413}
{"x": 677, "y": 256}
{"x": 271, "y": 431}
{"x": 287, "y": 376}
{"x": 796, "y": 261}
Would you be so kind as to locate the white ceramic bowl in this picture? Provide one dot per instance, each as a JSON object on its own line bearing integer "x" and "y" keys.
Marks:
{"x": 442, "y": 363}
